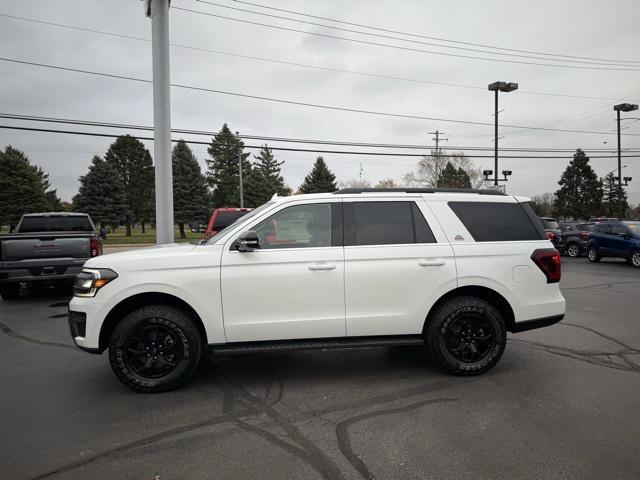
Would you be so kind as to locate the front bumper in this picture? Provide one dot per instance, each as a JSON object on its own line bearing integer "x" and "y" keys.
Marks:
{"x": 85, "y": 320}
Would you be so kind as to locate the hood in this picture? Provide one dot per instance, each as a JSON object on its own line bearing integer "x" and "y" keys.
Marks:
{"x": 148, "y": 258}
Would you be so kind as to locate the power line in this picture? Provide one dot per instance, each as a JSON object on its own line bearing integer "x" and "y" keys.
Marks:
{"x": 92, "y": 123}
{"x": 301, "y": 65}
{"x": 391, "y": 37}
{"x": 430, "y": 37}
{"x": 396, "y": 47}
{"x": 288, "y": 149}
{"x": 303, "y": 104}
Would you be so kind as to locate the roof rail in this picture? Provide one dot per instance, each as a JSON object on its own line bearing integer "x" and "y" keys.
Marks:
{"x": 345, "y": 191}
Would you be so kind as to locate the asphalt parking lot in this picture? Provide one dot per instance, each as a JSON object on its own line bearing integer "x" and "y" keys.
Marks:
{"x": 564, "y": 402}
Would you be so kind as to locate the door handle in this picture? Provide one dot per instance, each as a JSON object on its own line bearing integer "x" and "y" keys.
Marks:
{"x": 431, "y": 263}
{"x": 322, "y": 266}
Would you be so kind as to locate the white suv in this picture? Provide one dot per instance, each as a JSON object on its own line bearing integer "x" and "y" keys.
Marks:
{"x": 451, "y": 270}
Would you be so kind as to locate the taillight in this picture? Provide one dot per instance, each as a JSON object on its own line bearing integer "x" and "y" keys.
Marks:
{"x": 95, "y": 247}
{"x": 551, "y": 236}
{"x": 584, "y": 235}
{"x": 548, "y": 260}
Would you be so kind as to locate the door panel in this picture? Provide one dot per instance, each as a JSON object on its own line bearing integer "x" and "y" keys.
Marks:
{"x": 293, "y": 288}
{"x": 389, "y": 289}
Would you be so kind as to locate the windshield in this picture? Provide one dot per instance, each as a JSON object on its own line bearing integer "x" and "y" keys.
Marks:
{"x": 239, "y": 221}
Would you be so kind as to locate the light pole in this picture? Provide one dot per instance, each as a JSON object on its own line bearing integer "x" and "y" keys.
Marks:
{"x": 499, "y": 87}
{"x": 240, "y": 171}
{"x": 158, "y": 10}
{"x": 622, "y": 107}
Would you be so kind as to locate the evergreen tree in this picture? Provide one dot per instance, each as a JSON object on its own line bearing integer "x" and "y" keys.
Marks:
{"x": 320, "y": 179}
{"x": 452, "y": 177}
{"x": 190, "y": 193}
{"x": 614, "y": 198}
{"x": 222, "y": 168}
{"x": 270, "y": 169}
{"x": 257, "y": 189}
{"x": 129, "y": 157}
{"x": 580, "y": 193}
{"x": 22, "y": 188}
{"x": 102, "y": 195}
{"x": 51, "y": 202}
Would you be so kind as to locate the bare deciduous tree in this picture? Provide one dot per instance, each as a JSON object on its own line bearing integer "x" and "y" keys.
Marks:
{"x": 429, "y": 169}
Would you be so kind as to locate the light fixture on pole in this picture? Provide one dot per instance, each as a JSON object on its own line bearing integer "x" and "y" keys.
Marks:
{"x": 499, "y": 87}
{"x": 622, "y": 107}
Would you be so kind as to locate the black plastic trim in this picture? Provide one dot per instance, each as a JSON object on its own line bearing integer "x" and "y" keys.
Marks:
{"x": 518, "y": 327}
{"x": 316, "y": 344}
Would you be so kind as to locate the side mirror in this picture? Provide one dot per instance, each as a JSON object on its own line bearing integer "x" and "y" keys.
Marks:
{"x": 247, "y": 242}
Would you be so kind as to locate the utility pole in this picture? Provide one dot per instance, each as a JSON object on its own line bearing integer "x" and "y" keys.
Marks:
{"x": 240, "y": 171}
{"x": 437, "y": 134}
{"x": 158, "y": 10}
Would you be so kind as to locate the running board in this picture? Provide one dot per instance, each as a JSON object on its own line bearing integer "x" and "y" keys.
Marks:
{"x": 316, "y": 344}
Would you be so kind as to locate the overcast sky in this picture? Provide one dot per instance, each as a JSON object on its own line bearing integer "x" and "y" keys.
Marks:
{"x": 582, "y": 28}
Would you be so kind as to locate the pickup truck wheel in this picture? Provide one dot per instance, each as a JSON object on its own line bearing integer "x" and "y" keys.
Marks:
{"x": 466, "y": 336}
{"x": 593, "y": 255}
{"x": 155, "y": 349}
{"x": 10, "y": 291}
{"x": 635, "y": 259}
{"x": 573, "y": 250}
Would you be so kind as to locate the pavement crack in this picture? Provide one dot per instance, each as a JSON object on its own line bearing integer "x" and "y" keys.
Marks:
{"x": 344, "y": 438}
{"x": 8, "y": 331}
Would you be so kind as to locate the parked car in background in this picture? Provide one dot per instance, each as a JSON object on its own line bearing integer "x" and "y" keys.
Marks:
{"x": 575, "y": 240}
{"x": 567, "y": 226}
{"x": 616, "y": 239}
{"x": 221, "y": 218}
{"x": 452, "y": 271}
{"x": 552, "y": 229}
{"x": 46, "y": 248}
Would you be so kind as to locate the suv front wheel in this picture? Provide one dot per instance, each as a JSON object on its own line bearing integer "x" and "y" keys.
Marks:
{"x": 466, "y": 335}
{"x": 156, "y": 348}
{"x": 593, "y": 255}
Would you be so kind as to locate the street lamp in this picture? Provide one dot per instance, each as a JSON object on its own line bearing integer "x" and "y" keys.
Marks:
{"x": 622, "y": 107}
{"x": 499, "y": 87}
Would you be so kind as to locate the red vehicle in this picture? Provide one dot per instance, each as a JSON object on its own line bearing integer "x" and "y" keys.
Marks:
{"x": 221, "y": 218}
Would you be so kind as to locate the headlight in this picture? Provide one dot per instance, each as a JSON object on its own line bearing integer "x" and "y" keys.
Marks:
{"x": 90, "y": 280}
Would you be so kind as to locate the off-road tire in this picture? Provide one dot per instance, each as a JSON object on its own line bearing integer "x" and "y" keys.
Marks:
{"x": 456, "y": 310}
{"x": 178, "y": 326}
{"x": 593, "y": 255}
{"x": 9, "y": 291}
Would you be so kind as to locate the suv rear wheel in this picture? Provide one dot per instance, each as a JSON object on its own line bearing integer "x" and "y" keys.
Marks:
{"x": 466, "y": 336}
{"x": 155, "y": 349}
{"x": 593, "y": 255}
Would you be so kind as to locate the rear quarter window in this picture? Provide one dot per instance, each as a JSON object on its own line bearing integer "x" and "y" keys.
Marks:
{"x": 498, "y": 222}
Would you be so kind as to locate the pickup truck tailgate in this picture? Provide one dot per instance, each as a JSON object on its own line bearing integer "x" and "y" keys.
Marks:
{"x": 47, "y": 247}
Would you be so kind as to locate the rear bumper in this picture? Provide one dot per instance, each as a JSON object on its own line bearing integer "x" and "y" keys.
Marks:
{"x": 535, "y": 323}
{"x": 13, "y": 272}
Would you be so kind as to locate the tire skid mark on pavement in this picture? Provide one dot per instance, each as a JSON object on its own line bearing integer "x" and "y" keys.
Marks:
{"x": 8, "y": 331}
{"x": 145, "y": 441}
{"x": 305, "y": 449}
{"x": 59, "y": 304}
{"x": 602, "y": 286}
{"x": 344, "y": 438}
{"x": 602, "y": 359}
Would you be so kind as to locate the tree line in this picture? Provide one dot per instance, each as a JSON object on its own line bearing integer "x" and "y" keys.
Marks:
{"x": 118, "y": 188}
{"x": 582, "y": 194}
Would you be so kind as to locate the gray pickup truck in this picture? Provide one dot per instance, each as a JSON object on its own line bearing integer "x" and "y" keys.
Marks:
{"x": 46, "y": 247}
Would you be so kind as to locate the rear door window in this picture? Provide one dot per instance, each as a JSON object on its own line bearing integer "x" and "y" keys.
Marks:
{"x": 386, "y": 223}
{"x": 497, "y": 222}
